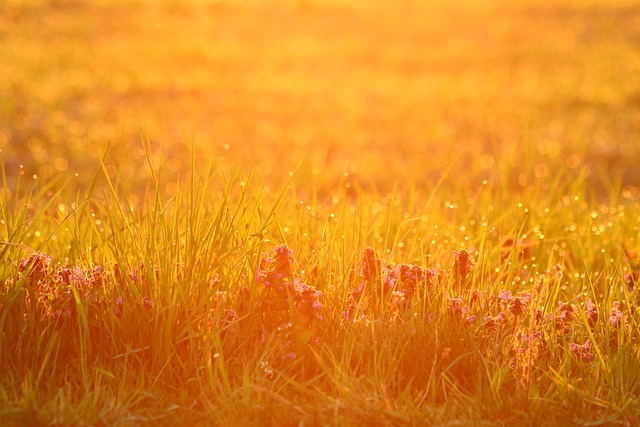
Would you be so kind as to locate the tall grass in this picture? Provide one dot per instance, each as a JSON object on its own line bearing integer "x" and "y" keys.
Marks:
{"x": 226, "y": 304}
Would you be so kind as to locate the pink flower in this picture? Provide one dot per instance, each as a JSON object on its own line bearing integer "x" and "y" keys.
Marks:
{"x": 147, "y": 302}
{"x": 118, "y": 306}
{"x": 581, "y": 352}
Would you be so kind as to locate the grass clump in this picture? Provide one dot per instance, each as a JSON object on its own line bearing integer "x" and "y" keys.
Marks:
{"x": 194, "y": 308}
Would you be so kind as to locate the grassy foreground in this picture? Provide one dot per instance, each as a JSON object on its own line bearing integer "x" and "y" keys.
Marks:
{"x": 222, "y": 305}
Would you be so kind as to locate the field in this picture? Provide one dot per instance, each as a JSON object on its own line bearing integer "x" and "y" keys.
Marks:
{"x": 306, "y": 212}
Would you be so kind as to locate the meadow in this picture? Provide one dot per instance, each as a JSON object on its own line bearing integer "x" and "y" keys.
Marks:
{"x": 305, "y": 212}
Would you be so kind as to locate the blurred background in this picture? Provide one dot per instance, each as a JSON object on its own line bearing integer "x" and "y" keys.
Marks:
{"x": 364, "y": 93}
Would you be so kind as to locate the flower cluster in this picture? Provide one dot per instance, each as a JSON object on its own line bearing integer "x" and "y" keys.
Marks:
{"x": 291, "y": 309}
{"x": 563, "y": 317}
{"x": 617, "y": 317}
{"x": 36, "y": 268}
{"x": 581, "y": 352}
{"x": 275, "y": 274}
{"x": 370, "y": 275}
{"x": 514, "y": 304}
{"x": 414, "y": 279}
{"x": 462, "y": 266}
{"x": 289, "y": 312}
{"x": 591, "y": 313}
{"x": 53, "y": 290}
{"x": 87, "y": 282}
{"x": 494, "y": 310}
{"x": 57, "y": 291}
{"x": 401, "y": 284}
{"x": 458, "y": 310}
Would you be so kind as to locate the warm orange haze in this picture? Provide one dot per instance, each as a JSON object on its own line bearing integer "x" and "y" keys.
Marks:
{"x": 381, "y": 91}
{"x": 305, "y": 212}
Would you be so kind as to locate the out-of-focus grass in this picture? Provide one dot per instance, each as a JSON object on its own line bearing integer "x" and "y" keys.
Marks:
{"x": 383, "y": 92}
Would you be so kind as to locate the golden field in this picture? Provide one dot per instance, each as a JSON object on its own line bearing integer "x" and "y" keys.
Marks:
{"x": 307, "y": 212}
{"x": 383, "y": 92}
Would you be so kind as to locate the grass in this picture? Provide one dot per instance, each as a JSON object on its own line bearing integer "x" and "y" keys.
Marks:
{"x": 183, "y": 310}
{"x": 458, "y": 245}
